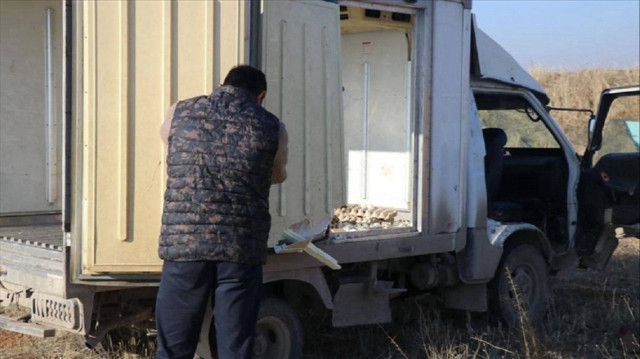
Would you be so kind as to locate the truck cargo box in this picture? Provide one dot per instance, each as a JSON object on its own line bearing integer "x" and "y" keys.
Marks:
{"x": 360, "y": 86}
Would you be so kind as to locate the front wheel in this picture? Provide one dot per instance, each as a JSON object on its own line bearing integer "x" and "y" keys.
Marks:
{"x": 278, "y": 332}
{"x": 519, "y": 288}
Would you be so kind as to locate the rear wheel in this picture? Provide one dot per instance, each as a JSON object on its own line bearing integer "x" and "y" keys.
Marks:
{"x": 519, "y": 289}
{"x": 132, "y": 339}
{"x": 138, "y": 339}
{"x": 278, "y": 332}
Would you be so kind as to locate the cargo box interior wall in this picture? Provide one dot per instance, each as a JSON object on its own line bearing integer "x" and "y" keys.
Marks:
{"x": 377, "y": 94}
{"x": 31, "y": 144}
{"x": 30, "y": 107}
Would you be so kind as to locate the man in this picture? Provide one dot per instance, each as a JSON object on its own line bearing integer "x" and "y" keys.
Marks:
{"x": 225, "y": 151}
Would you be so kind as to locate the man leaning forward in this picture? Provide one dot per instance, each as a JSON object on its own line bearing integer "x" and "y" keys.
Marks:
{"x": 225, "y": 151}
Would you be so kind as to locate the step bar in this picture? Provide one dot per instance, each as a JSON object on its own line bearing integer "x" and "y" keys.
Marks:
{"x": 32, "y": 329}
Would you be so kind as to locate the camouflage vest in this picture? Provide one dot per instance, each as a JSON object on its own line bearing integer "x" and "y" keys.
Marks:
{"x": 220, "y": 161}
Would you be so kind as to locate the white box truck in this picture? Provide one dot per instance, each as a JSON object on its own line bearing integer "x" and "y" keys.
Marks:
{"x": 429, "y": 147}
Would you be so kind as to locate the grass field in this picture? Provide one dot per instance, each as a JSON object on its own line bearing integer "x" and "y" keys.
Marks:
{"x": 581, "y": 89}
{"x": 591, "y": 314}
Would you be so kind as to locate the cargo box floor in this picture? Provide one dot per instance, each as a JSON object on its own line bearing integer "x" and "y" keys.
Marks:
{"x": 48, "y": 236}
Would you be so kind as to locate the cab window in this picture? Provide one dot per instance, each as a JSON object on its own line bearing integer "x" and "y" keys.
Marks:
{"x": 523, "y": 125}
{"x": 621, "y": 133}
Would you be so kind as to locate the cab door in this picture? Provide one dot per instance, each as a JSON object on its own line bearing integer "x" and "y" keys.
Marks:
{"x": 609, "y": 191}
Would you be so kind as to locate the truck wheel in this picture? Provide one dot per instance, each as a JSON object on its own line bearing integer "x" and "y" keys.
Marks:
{"x": 278, "y": 332}
{"x": 132, "y": 339}
{"x": 521, "y": 277}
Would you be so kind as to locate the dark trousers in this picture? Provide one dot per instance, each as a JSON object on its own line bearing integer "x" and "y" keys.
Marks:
{"x": 185, "y": 288}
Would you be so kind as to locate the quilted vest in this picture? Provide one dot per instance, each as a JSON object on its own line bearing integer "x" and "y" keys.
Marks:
{"x": 219, "y": 166}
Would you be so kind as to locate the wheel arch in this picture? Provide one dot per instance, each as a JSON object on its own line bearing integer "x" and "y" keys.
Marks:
{"x": 310, "y": 280}
{"x": 508, "y": 236}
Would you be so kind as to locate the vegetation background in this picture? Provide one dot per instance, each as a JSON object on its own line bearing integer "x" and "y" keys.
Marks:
{"x": 591, "y": 314}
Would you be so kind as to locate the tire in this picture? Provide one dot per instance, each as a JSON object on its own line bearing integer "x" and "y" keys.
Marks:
{"x": 131, "y": 339}
{"x": 529, "y": 273}
{"x": 278, "y": 332}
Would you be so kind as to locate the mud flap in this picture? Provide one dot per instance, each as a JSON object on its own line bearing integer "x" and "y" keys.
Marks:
{"x": 358, "y": 304}
{"x": 605, "y": 246}
{"x": 469, "y": 297}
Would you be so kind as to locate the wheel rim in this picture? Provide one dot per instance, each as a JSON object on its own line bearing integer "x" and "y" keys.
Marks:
{"x": 523, "y": 278}
{"x": 273, "y": 340}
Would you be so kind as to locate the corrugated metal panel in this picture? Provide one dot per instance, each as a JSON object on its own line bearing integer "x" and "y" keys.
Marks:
{"x": 302, "y": 63}
{"x": 138, "y": 58}
{"x": 30, "y": 105}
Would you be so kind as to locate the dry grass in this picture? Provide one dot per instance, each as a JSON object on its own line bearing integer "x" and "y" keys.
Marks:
{"x": 591, "y": 315}
{"x": 65, "y": 346}
{"x": 581, "y": 89}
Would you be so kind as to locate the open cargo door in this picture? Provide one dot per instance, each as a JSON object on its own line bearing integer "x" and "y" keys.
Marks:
{"x": 30, "y": 107}
{"x": 301, "y": 58}
{"x": 133, "y": 60}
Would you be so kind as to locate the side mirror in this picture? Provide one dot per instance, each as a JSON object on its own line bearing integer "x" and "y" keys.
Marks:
{"x": 592, "y": 127}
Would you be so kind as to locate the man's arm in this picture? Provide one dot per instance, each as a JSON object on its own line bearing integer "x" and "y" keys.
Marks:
{"x": 165, "y": 129}
{"x": 280, "y": 161}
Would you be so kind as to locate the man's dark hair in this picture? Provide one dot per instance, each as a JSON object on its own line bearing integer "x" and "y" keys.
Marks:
{"x": 247, "y": 78}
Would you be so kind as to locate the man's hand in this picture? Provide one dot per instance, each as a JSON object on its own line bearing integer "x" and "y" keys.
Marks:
{"x": 165, "y": 129}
